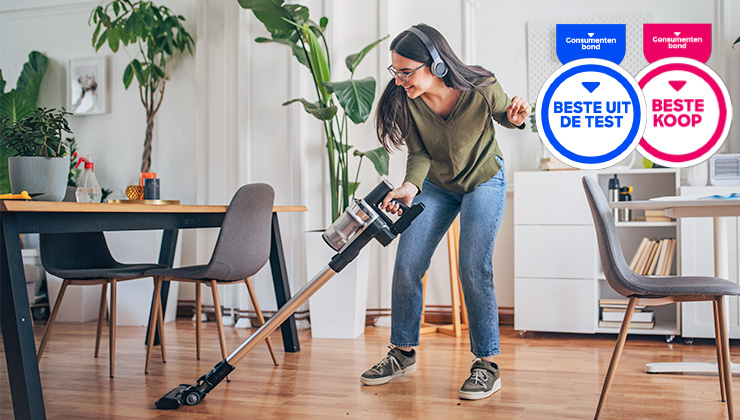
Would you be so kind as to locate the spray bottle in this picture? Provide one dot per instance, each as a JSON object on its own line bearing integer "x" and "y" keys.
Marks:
{"x": 88, "y": 189}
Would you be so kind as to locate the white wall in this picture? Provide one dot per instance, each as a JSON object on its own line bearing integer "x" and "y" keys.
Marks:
{"x": 222, "y": 124}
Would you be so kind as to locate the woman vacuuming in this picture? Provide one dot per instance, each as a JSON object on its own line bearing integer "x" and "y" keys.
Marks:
{"x": 443, "y": 111}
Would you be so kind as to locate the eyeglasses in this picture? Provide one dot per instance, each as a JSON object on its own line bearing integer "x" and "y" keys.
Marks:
{"x": 402, "y": 76}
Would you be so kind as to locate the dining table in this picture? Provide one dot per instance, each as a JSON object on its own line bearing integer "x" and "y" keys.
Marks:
{"x": 720, "y": 210}
{"x": 22, "y": 216}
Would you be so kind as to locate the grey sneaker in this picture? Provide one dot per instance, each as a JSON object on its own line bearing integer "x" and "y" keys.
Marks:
{"x": 484, "y": 380}
{"x": 393, "y": 365}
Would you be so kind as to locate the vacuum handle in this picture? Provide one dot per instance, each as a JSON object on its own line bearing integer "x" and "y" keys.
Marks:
{"x": 401, "y": 205}
{"x": 408, "y": 216}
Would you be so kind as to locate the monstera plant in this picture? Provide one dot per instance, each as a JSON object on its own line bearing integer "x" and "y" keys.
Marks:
{"x": 290, "y": 25}
{"x": 19, "y": 103}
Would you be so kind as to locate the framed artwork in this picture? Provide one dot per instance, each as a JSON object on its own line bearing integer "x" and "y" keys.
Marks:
{"x": 87, "y": 86}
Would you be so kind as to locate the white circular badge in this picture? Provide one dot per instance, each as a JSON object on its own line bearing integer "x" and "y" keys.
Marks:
{"x": 590, "y": 114}
{"x": 688, "y": 110}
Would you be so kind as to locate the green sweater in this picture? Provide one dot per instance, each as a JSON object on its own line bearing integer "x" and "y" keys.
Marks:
{"x": 456, "y": 153}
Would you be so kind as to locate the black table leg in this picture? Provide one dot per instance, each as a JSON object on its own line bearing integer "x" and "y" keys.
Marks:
{"x": 20, "y": 348}
{"x": 166, "y": 257}
{"x": 282, "y": 287}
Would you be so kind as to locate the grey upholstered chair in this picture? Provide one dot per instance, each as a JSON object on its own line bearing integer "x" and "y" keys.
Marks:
{"x": 242, "y": 248}
{"x": 84, "y": 259}
{"x": 652, "y": 290}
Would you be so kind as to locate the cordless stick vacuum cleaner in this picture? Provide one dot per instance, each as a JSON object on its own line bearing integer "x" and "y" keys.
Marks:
{"x": 360, "y": 223}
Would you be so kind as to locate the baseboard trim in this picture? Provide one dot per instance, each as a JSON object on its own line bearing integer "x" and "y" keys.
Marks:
{"x": 433, "y": 314}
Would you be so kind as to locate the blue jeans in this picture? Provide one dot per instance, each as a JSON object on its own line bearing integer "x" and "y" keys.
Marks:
{"x": 480, "y": 216}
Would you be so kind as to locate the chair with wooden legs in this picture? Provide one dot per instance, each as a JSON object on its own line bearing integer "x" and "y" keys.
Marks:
{"x": 242, "y": 248}
{"x": 459, "y": 310}
{"x": 83, "y": 259}
{"x": 653, "y": 290}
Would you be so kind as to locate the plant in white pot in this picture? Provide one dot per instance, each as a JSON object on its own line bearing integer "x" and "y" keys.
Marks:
{"x": 338, "y": 309}
{"x": 39, "y": 165}
{"x": 20, "y": 102}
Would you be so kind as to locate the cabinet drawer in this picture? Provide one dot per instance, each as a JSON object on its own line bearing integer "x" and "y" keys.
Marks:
{"x": 555, "y": 252}
{"x": 550, "y": 198}
{"x": 562, "y": 305}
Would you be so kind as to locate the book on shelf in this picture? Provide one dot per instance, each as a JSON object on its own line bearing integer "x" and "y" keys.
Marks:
{"x": 618, "y": 316}
{"x": 654, "y": 257}
{"x": 633, "y": 325}
{"x": 617, "y": 303}
{"x": 656, "y": 216}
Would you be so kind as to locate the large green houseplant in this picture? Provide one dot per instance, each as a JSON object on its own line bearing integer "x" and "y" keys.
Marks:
{"x": 158, "y": 37}
{"x": 290, "y": 25}
{"x": 20, "y": 102}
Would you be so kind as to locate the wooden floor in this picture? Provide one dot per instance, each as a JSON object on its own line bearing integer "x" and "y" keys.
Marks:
{"x": 544, "y": 376}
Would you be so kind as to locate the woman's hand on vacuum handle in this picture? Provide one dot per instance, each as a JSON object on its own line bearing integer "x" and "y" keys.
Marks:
{"x": 405, "y": 194}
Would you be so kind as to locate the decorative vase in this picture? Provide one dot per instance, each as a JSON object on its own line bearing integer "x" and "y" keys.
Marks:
{"x": 37, "y": 174}
{"x": 338, "y": 309}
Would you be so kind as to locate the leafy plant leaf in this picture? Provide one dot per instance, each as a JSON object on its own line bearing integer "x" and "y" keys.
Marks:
{"x": 297, "y": 12}
{"x": 271, "y": 13}
{"x": 128, "y": 75}
{"x": 379, "y": 157}
{"x": 2, "y": 83}
{"x": 343, "y": 148}
{"x": 354, "y": 60}
{"x": 315, "y": 109}
{"x": 320, "y": 65}
{"x": 355, "y": 96}
{"x": 32, "y": 73}
{"x": 15, "y": 105}
{"x": 138, "y": 72}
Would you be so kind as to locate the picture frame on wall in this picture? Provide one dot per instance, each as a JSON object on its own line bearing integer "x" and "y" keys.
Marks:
{"x": 87, "y": 86}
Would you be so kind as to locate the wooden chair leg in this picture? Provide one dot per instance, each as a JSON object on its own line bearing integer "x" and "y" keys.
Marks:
{"x": 152, "y": 321}
{"x": 454, "y": 270}
{"x": 463, "y": 308}
{"x": 726, "y": 363}
{"x": 112, "y": 328}
{"x": 101, "y": 315}
{"x": 160, "y": 327}
{"x": 425, "y": 328}
{"x": 219, "y": 320}
{"x": 260, "y": 318}
{"x": 718, "y": 342}
{"x": 52, "y": 318}
{"x": 617, "y": 354}
{"x": 197, "y": 320}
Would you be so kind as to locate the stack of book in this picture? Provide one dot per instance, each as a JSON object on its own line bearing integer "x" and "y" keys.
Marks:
{"x": 656, "y": 216}
{"x": 613, "y": 310}
{"x": 654, "y": 257}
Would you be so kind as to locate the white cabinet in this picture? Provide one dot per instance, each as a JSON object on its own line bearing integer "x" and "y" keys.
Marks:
{"x": 697, "y": 259}
{"x": 558, "y": 279}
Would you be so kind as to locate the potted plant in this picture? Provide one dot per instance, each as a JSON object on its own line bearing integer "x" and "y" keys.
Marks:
{"x": 39, "y": 164}
{"x": 159, "y": 38}
{"x": 338, "y": 309}
{"x": 20, "y": 102}
{"x": 290, "y": 25}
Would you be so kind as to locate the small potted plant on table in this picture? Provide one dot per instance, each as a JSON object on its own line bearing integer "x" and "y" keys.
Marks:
{"x": 39, "y": 164}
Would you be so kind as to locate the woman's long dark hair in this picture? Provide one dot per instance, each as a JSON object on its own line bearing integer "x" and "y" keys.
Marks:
{"x": 392, "y": 118}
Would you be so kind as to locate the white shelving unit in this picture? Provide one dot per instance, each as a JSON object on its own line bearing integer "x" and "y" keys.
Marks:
{"x": 557, "y": 271}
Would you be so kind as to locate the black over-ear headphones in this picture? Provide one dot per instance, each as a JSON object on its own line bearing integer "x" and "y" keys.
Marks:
{"x": 439, "y": 68}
